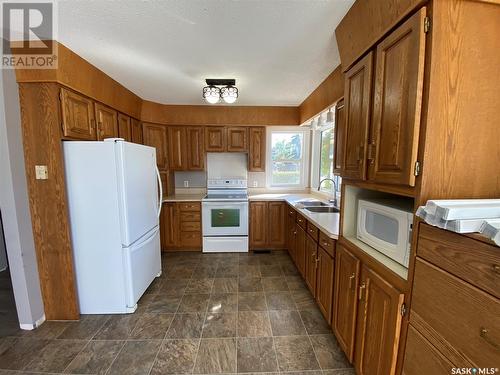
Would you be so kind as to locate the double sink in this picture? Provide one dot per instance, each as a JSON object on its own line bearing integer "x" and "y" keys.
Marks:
{"x": 318, "y": 207}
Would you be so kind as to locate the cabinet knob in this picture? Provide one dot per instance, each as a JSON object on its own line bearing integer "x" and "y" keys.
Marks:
{"x": 496, "y": 268}
{"x": 484, "y": 335}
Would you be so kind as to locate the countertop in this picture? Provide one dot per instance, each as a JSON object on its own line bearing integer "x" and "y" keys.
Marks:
{"x": 328, "y": 223}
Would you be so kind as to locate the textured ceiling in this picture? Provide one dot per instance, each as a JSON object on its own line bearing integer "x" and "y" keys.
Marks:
{"x": 278, "y": 50}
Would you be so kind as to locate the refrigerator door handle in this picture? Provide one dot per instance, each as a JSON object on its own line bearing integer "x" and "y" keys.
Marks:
{"x": 161, "y": 191}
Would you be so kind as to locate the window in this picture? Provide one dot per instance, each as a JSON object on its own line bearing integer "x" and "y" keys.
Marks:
{"x": 326, "y": 159}
{"x": 287, "y": 158}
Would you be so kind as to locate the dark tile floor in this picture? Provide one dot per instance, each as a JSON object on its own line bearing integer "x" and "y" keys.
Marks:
{"x": 207, "y": 314}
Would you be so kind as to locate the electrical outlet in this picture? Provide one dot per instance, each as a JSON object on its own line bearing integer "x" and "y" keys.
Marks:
{"x": 41, "y": 172}
{"x": 186, "y": 183}
{"x": 255, "y": 184}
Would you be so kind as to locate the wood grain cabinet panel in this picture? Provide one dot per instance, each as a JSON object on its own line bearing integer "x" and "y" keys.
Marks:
{"x": 347, "y": 268}
{"x": 168, "y": 227}
{"x": 136, "y": 130}
{"x": 339, "y": 139}
{"x": 124, "y": 127}
{"x": 237, "y": 139}
{"x": 156, "y": 136}
{"x": 378, "y": 325}
{"x": 300, "y": 250}
{"x": 78, "y": 118}
{"x": 311, "y": 264}
{"x": 258, "y": 225}
{"x": 257, "y": 149}
{"x": 195, "y": 149}
{"x": 107, "y": 122}
{"x": 399, "y": 77}
{"x": 291, "y": 232}
{"x": 357, "y": 96}
{"x": 324, "y": 288}
{"x": 276, "y": 225}
{"x": 177, "y": 152}
{"x": 215, "y": 139}
{"x": 418, "y": 349}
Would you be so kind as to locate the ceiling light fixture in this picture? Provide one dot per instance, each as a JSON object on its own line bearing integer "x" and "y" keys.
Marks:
{"x": 214, "y": 94}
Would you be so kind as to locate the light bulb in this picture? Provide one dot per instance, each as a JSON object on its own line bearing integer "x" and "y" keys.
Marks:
{"x": 229, "y": 94}
{"x": 211, "y": 94}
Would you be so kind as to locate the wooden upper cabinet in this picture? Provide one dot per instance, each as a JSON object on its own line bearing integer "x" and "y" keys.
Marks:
{"x": 215, "y": 139}
{"x": 237, "y": 138}
{"x": 177, "y": 159}
{"x": 136, "y": 130}
{"x": 195, "y": 149}
{"x": 257, "y": 149}
{"x": 357, "y": 96}
{"x": 324, "y": 289}
{"x": 339, "y": 138}
{"x": 124, "y": 127}
{"x": 399, "y": 77}
{"x": 347, "y": 268}
{"x": 258, "y": 225}
{"x": 378, "y": 325}
{"x": 276, "y": 225}
{"x": 107, "y": 122}
{"x": 77, "y": 116}
{"x": 156, "y": 136}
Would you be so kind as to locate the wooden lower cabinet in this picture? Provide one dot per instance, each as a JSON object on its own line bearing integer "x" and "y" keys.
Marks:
{"x": 291, "y": 235}
{"x": 347, "y": 268}
{"x": 180, "y": 225}
{"x": 300, "y": 249}
{"x": 378, "y": 325}
{"x": 268, "y": 222}
{"x": 311, "y": 263}
{"x": 325, "y": 281}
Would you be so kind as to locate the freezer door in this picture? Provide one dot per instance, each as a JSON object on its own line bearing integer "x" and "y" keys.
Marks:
{"x": 138, "y": 190}
{"x": 142, "y": 265}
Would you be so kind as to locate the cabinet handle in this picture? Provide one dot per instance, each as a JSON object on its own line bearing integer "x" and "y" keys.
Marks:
{"x": 325, "y": 243}
{"x": 484, "y": 335}
{"x": 361, "y": 288}
{"x": 351, "y": 278}
{"x": 496, "y": 268}
{"x": 318, "y": 259}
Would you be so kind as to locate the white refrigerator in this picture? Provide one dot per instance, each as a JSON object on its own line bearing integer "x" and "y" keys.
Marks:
{"x": 114, "y": 195}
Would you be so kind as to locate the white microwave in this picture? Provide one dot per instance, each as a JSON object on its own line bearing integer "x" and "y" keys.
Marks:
{"x": 386, "y": 225}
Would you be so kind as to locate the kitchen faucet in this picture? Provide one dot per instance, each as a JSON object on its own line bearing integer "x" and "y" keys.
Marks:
{"x": 334, "y": 200}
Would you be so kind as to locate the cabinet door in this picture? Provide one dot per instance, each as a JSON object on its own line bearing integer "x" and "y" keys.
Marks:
{"x": 397, "y": 105}
{"x": 311, "y": 262}
{"x": 195, "y": 146}
{"x": 339, "y": 138}
{"x": 78, "y": 116}
{"x": 258, "y": 225}
{"x": 378, "y": 325}
{"x": 107, "y": 122}
{"x": 276, "y": 226}
{"x": 136, "y": 131}
{"x": 324, "y": 290}
{"x": 156, "y": 136}
{"x": 124, "y": 127}
{"x": 215, "y": 139}
{"x": 257, "y": 149}
{"x": 237, "y": 139}
{"x": 291, "y": 236}
{"x": 300, "y": 250}
{"x": 345, "y": 299}
{"x": 177, "y": 148}
{"x": 357, "y": 96}
{"x": 168, "y": 227}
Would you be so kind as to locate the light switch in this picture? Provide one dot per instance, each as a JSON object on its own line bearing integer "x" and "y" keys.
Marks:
{"x": 41, "y": 172}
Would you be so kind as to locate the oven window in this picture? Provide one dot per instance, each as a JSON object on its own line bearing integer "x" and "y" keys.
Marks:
{"x": 225, "y": 217}
{"x": 382, "y": 227}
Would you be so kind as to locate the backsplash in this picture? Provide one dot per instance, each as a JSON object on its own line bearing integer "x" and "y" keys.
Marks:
{"x": 194, "y": 179}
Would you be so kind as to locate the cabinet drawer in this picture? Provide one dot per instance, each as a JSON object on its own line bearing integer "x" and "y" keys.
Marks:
{"x": 190, "y": 239}
{"x": 418, "y": 348}
{"x": 301, "y": 221}
{"x": 453, "y": 311}
{"x": 190, "y": 216}
{"x": 464, "y": 257}
{"x": 327, "y": 243}
{"x": 189, "y": 206}
{"x": 190, "y": 226}
{"x": 312, "y": 231}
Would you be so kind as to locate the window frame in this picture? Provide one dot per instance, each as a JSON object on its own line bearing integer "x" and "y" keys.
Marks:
{"x": 304, "y": 167}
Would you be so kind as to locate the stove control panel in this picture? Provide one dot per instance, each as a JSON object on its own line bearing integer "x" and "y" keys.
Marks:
{"x": 229, "y": 183}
